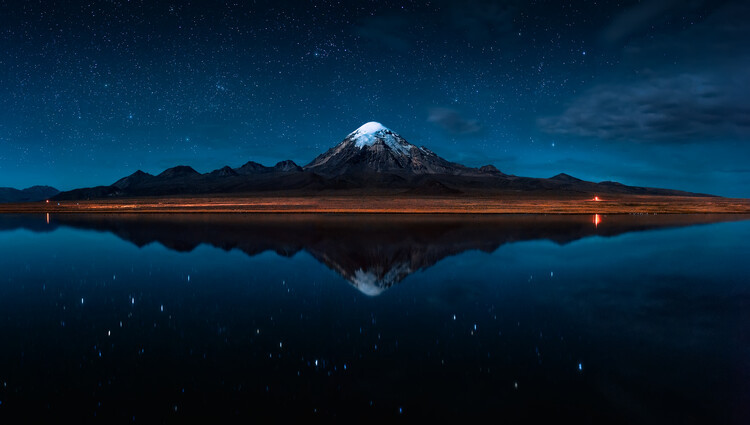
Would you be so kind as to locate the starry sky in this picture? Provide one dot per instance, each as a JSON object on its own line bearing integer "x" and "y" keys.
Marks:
{"x": 653, "y": 93}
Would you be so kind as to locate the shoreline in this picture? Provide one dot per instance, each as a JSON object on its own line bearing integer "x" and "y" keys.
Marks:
{"x": 390, "y": 205}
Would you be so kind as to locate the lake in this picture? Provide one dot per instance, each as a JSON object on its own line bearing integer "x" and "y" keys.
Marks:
{"x": 197, "y": 317}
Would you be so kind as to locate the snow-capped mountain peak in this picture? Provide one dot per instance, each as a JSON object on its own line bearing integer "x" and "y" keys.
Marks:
{"x": 374, "y": 148}
{"x": 372, "y": 132}
{"x": 371, "y": 127}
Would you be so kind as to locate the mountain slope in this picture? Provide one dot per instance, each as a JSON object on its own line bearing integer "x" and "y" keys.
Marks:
{"x": 373, "y": 148}
{"x": 371, "y": 159}
{"x": 30, "y": 194}
{"x": 184, "y": 180}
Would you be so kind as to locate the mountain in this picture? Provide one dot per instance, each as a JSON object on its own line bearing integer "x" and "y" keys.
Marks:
{"x": 286, "y": 167}
{"x": 139, "y": 177}
{"x": 252, "y": 167}
{"x": 225, "y": 171}
{"x": 371, "y": 159}
{"x": 562, "y": 177}
{"x": 178, "y": 171}
{"x": 373, "y": 148}
{"x": 30, "y": 194}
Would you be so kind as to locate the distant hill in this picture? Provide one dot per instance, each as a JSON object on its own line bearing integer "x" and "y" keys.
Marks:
{"x": 31, "y": 194}
{"x": 371, "y": 159}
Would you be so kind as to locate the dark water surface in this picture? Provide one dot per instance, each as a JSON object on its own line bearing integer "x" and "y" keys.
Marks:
{"x": 158, "y": 318}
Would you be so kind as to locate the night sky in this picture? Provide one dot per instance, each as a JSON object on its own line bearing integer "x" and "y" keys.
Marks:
{"x": 653, "y": 93}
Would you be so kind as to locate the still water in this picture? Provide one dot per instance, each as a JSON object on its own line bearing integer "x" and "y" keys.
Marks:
{"x": 158, "y": 318}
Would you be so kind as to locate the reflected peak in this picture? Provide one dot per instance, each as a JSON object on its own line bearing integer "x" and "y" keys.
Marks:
{"x": 372, "y": 252}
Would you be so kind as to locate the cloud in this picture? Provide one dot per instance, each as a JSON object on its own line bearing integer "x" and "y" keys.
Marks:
{"x": 670, "y": 109}
{"x": 452, "y": 122}
{"x": 388, "y": 31}
{"x": 468, "y": 20}
{"x": 481, "y": 19}
{"x": 636, "y": 18}
{"x": 689, "y": 86}
{"x": 717, "y": 38}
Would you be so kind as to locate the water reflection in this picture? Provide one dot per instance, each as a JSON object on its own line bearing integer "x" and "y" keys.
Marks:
{"x": 372, "y": 252}
{"x": 524, "y": 318}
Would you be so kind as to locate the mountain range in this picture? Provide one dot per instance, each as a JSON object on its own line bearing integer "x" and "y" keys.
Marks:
{"x": 30, "y": 194}
{"x": 372, "y": 159}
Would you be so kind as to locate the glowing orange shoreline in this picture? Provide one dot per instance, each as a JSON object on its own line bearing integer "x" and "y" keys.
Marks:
{"x": 384, "y": 204}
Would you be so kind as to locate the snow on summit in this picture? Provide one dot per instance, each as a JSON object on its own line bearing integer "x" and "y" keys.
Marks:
{"x": 369, "y": 133}
{"x": 370, "y": 128}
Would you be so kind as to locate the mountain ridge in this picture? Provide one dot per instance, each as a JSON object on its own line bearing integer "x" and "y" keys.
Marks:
{"x": 30, "y": 194}
{"x": 373, "y": 157}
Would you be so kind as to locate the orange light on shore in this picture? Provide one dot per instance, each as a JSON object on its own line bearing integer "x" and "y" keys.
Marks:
{"x": 596, "y": 198}
{"x": 48, "y": 201}
{"x": 597, "y": 220}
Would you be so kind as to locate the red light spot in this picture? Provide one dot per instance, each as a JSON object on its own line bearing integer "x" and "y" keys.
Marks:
{"x": 48, "y": 201}
{"x": 596, "y": 198}
{"x": 597, "y": 220}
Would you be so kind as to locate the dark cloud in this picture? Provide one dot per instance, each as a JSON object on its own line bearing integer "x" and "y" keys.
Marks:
{"x": 453, "y": 122}
{"x": 481, "y": 19}
{"x": 690, "y": 85}
{"x": 469, "y": 20}
{"x": 714, "y": 39}
{"x": 387, "y": 31}
{"x": 675, "y": 109}
{"x": 636, "y": 18}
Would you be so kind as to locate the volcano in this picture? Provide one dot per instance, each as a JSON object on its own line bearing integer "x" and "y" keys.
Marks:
{"x": 373, "y": 148}
{"x": 371, "y": 159}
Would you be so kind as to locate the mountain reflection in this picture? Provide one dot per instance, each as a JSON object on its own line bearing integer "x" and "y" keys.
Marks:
{"x": 372, "y": 252}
